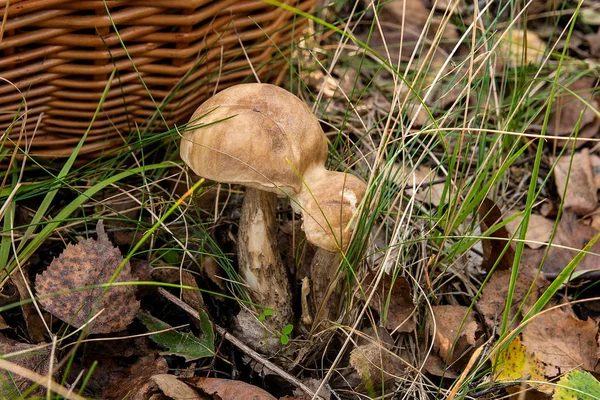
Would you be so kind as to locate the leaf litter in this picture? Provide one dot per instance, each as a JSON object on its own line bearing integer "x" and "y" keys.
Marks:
{"x": 89, "y": 263}
{"x": 555, "y": 346}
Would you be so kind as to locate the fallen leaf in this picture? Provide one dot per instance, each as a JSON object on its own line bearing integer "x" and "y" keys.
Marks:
{"x": 516, "y": 363}
{"x": 393, "y": 301}
{"x": 562, "y": 341}
{"x": 314, "y": 385}
{"x": 90, "y": 262}
{"x": 176, "y": 389}
{"x": 376, "y": 365}
{"x": 493, "y": 297}
{"x": 420, "y": 180}
{"x": 213, "y": 272}
{"x": 518, "y": 48}
{"x": 35, "y": 325}
{"x": 593, "y": 40}
{"x": 571, "y": 236}
{"x": 438, "y": 367}
{"x": 538, "y": 230}
{"x": 577, "y": 385}
{"x": 227, "y": 389}
{"x": 595, "y": 161}
{"x": 402, "y": 21}
{"x": 453, "y": 339}
{"x": 574, "y": 179}
{"x": 568, "y": 109}
{"x": 133, "y": 382}
{"x": 493, "y": 249}
{"x": 192, "y": 297}
{"x": 31, "y": 357}
{"x": 186, "y": 345}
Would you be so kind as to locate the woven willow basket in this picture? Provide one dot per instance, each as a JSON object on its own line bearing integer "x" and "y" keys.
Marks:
{"x": 56, "y": 57}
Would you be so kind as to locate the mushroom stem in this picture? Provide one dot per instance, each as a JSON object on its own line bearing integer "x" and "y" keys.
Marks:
{"x": 326, "y": 287}
{"x": 260, "y": 263}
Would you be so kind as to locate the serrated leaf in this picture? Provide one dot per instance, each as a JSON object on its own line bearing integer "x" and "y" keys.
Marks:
{"x": 186, "y": 345}
{"x": 577, "y": 385}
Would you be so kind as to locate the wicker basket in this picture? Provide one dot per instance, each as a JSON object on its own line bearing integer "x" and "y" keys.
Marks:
{"x": 57, "y": 55}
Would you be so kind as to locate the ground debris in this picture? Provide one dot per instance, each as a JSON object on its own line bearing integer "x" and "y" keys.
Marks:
{"x": 90, "y": 262}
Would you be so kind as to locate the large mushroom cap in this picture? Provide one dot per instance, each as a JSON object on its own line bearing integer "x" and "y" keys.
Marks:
{"x": 258, "y": 135}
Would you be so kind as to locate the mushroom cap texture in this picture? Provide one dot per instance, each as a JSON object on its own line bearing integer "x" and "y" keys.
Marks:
{"x": 328, "y": 208}
{"x": 257, "y": 135}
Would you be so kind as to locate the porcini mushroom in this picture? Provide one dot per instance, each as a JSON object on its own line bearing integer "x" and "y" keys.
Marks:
{"x": 263, "y": 137}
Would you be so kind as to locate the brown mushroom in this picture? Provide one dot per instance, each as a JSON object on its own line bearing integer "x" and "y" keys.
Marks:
{"x": 265, "y": 138}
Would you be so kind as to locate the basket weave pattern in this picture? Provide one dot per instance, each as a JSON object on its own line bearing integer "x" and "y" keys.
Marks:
{"x": 56, "y": 57}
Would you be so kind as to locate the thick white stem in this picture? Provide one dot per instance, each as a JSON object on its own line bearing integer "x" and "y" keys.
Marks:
{"x": 259, "y": 259}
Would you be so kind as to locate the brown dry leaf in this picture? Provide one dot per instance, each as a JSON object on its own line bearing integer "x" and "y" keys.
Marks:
{"x": 35, "y": 326}
{"x": 226, "y": 389}
{"x": 490, "y": 215}
{"x": 593, "y": 40}
{"x": 90, "y": 262}
{"x": 595, "y": 161}
{"x": 176, "y": 389}
{"x": 377, "y": 367}
{"x": 561, "y": 340}
{"x": 568, "y": 109}
{"x": 192, "y": 297}
{"x": 580, "y": 195}
{"x": 436, "y": 366}
{"x": 571, "y": 234}
{"x": 34, "y": 360}
{"x": 134, "y": 381}
{"x": 314, "y": 385}
{"x": 538, "y": 230}
{"x": 394, "y": 297}
{"x": 402, "y": 21}
{"x": 213, "y": 272}
{"x": 421, "y": 179}
{"x": 493, "y": 297}
{"x": 453, "y": 340}
{"x": 518, "y": 48}
{"x": 3, "y": 324}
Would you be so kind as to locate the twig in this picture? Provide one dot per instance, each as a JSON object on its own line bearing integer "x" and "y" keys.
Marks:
{"x": 240, "y": 345}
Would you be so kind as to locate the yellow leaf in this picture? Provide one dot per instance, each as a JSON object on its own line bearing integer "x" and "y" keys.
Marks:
{"x": 516, "y": 363}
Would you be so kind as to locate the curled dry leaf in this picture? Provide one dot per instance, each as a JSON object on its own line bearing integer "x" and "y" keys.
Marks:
{"x": 575, "y": 182}
{"x": 393, "y": 301}
{"x": 90, "y": 262}
{"x": 490, "y": 215}
{"x": 538, "y": 230}
{"x": 226, "y": 389}
{"x": 453, "y": 339}
{"x": 562, "y": 341}
{"x": 176, "y": 389}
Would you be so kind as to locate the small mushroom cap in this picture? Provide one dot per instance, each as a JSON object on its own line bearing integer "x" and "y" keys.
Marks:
{"x": 328, "y": 206}
{"x": 257, "y": 135}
